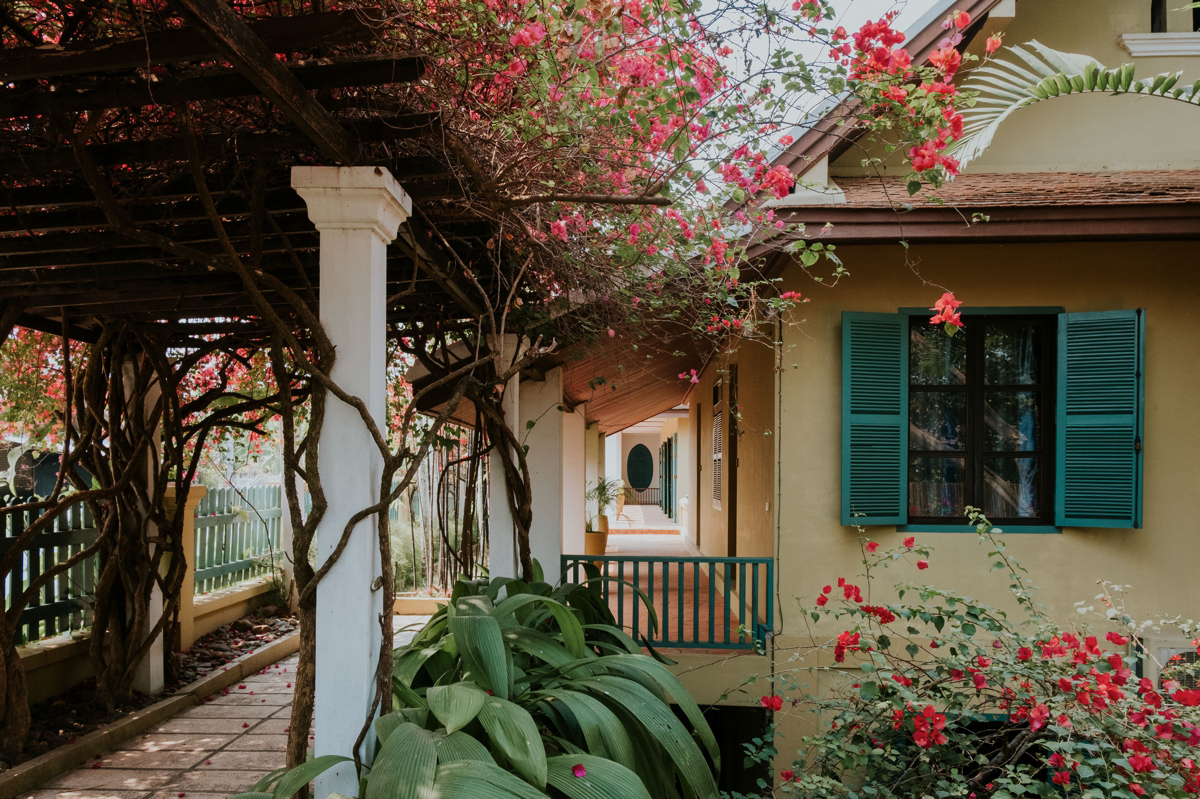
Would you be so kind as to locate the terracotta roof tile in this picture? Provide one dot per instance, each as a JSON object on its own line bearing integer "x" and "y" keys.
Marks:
{"x": 1030, "y": 189}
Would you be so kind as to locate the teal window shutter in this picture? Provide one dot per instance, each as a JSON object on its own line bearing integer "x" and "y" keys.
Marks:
{"x": 874, "y": 418}
{"x": 1098, "y": 452}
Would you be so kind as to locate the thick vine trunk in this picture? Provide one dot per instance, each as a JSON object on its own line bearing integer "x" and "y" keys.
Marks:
{"x": 302, "y": 701}
{"x": 14, "y": 700}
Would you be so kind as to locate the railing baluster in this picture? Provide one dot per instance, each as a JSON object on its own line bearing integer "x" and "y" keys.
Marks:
{"x": 712, "y": 600}
{"x": 664, "y": 621}
{"x": 651, "y": 613}
{"x": 728, "y": 575}
{"x": 695, "y": 600}
{"x": 679, "y": 575}
{"x": 742, "y": 601}
{"x": 621, "y": 593}
{"x": 637, "y": 601}
{"x": 754, "y": 603}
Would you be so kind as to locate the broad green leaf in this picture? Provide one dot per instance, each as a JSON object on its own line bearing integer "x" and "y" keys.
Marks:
{"x": 601, "y": 729}
{"x": 386, "y": 724}
{"x": 482, "y": 649}
{"x": 660, "y": 722}
{"x": 474, "y": 780}
{"x": 647, "y": 672}
{"x": 455, "y": 705}
{"x": 291, "y": 783}
{"x": 460, "y": 746}
{"x": 571, "y": 630}
{"x": 515, "y": 734}
{"x": 602, "y": 779}
{"x": 538, "y": 644}
{"x": 405, "y": 766}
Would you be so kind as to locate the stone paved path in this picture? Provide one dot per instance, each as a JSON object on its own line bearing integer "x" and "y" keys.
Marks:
{"x": 208, "y": 752}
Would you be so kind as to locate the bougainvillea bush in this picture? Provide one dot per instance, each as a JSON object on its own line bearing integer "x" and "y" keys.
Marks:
{"x": 953, "y": 698}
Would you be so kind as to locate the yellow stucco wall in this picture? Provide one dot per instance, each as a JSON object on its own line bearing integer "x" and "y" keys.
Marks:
{"x": 1085, "y": 132}
{"x": 1160, "y": 560}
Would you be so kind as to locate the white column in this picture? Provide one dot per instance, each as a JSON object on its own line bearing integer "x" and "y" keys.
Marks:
{"x": 593, "y": 452}
{"x": 541, "y": 401}
{"x": 574, "y": 456}
{"x": 502, "y": 536}
{"x": 358, "y": 211}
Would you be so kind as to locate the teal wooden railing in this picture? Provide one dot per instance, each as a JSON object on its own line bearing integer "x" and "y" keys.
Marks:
{"x": 700, "y": 603}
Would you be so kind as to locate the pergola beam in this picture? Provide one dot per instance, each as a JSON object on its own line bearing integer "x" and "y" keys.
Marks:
{"x": 225, "y": 30}
{"x": 280, "y": 35}
{"x": 174, "y": 148}
{"x": 313, "y": 74}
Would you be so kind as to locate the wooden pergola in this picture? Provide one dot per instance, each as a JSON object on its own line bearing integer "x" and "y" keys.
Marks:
{"x": 267, "y": 95}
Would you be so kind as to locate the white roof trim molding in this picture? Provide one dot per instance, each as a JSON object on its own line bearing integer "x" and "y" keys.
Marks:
{"x": 813, "y": 187}
{"x": 1157, "y": 45}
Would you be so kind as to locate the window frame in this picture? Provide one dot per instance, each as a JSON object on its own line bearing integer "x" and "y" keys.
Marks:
{"x": 1049, "y": 383}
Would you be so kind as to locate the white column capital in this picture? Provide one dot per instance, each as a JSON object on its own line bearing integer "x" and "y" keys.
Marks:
{"x": 353, "y": 198}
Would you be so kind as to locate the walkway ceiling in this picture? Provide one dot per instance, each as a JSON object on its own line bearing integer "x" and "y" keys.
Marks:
{"x": 261, "y": 97}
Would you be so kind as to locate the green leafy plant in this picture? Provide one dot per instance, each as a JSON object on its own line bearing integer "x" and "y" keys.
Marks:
{"x": 536, "y": 694}
{"x": 604, "y": 493}
{"x": 938, "y": 694}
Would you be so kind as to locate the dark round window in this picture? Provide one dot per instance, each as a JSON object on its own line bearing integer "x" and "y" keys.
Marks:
{"x": 640, "y": 467}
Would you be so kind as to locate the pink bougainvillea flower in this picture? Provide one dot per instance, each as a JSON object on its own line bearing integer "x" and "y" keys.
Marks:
{"x": 994, "y": 43}
{"x": 787, "y": 775}
{"x": 961, "y": 19}
{"x": 872, "y": 546}
{"x": 528, "y": 36}
{"x": 922, "y": 564}
{"x": 1024, "y": 653}
{"x": 822, "y": 600}
{"x": 908, "y": 542}
{"x": 578, "y": 770}
{"x": 772, "y": 702}
{"x": 1116, "y": 638}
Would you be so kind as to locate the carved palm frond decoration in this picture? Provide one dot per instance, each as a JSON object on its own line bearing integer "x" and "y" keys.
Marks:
{"x": 1033, "y": 73}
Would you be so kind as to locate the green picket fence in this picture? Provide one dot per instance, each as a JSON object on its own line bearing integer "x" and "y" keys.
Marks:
{"x": 237, "y": 535}
{"x": 64, "y": 603}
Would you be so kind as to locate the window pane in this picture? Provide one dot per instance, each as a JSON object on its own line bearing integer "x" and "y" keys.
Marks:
{"x": 1010, "y": 488}
{"x": 1011, "y": 354}
{"x": 1012, "y": 420}
{"x": 936, "y": 359}
{"x": 937, "y": 486}
{"x": 937, "y": 420}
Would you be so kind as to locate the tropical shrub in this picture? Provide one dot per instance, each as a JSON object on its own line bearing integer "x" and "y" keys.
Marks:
{"x": 537, "y": 694}
{"x": 952, "y": 698}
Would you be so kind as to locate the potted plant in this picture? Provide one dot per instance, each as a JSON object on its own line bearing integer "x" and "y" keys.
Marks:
{"x": 605, "y": 494}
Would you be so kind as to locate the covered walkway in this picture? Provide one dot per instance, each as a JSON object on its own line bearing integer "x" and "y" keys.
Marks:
{"x": 215, "y": 749}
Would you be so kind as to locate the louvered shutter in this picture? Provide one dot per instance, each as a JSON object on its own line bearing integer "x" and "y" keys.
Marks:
{"x": 1098, "y": 463}
{"x": 874, "y": 418}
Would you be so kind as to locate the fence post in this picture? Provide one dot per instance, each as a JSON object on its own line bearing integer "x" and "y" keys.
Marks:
{"x": 187, "y": 591}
